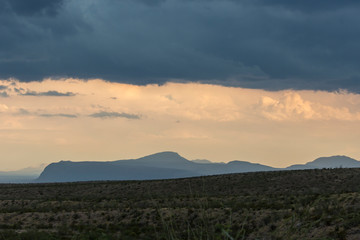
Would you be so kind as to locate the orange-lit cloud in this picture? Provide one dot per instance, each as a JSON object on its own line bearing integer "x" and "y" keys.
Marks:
{"x": 291, "y": 106}
{"x": 74, "y": 119}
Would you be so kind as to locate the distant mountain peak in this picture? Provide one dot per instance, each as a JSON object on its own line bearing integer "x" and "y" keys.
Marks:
{"x": 336, "y": 161}
{"x": 328, "y": 162}
{"x": 64, "y": 161}
{"x": 169, "y": 164}
{"x": 335, "y": 157}
{"x": 167, "y": 156}
{"x": 201, "y": 161}
{"x": 238, "y": 162}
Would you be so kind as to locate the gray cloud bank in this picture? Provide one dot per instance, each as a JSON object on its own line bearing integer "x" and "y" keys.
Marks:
{"x": 104, "y": 114}
{"x": 48, "y": 94}
{"x": 24, "y": 112}
{"x": 4, "y": 94}
{"x": 250, "y": 43}
{"x": 58, "y": 115}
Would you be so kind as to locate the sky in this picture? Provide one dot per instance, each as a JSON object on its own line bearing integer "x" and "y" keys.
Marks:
{"x": 274, "y": 82}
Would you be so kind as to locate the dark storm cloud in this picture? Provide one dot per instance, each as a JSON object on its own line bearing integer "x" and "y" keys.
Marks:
{"x": 151, "y": 2}
{"x": 33, "y": 7}
{"x": 48, "y": 94}
{"x": 310, "y": 5}
{"x": 251, "y": 43}
{"x": 104, "y": 114}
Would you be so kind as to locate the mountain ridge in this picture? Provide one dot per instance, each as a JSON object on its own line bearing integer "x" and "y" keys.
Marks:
{"x": 166, "y": 165}
{"x": 336, "y": 161}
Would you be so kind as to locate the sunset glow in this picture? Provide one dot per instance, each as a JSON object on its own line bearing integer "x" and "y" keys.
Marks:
{"x": 73, "y": 119}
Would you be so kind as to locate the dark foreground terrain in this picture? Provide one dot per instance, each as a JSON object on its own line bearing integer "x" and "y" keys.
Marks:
{"x": 307, "y": 204}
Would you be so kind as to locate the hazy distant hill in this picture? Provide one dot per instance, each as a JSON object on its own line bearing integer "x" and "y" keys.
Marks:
{"x": 66, "y": 171}
{"x": 164, "y": 165}
{"x": 22, "y": 175}
{"x": 201, "y": 161}
{"x": 157, "y": 166}
{"x": 4, "y": 178}
{"x": 328, "y": 162}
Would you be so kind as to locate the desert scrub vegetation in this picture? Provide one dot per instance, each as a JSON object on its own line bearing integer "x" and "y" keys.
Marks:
{"x": 307, "y": 204}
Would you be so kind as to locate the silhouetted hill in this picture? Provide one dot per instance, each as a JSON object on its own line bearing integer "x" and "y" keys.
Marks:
{"x": 335, "y": 162}
{"x": 328, "y": 162}
{"x": 166, "y": 165}
{"x": 67, "y": 171}
{"x": 162, "y": 165}
{"x": 240, "y": 166}
{"x": 159, "y": 160}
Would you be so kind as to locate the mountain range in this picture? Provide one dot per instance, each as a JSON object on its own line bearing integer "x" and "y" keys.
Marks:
{"x": 162, "y": 165}
{"x": 167, "y": 165}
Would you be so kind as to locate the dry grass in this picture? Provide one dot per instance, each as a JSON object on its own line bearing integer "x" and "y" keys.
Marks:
{"x": 310, "y": 204}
